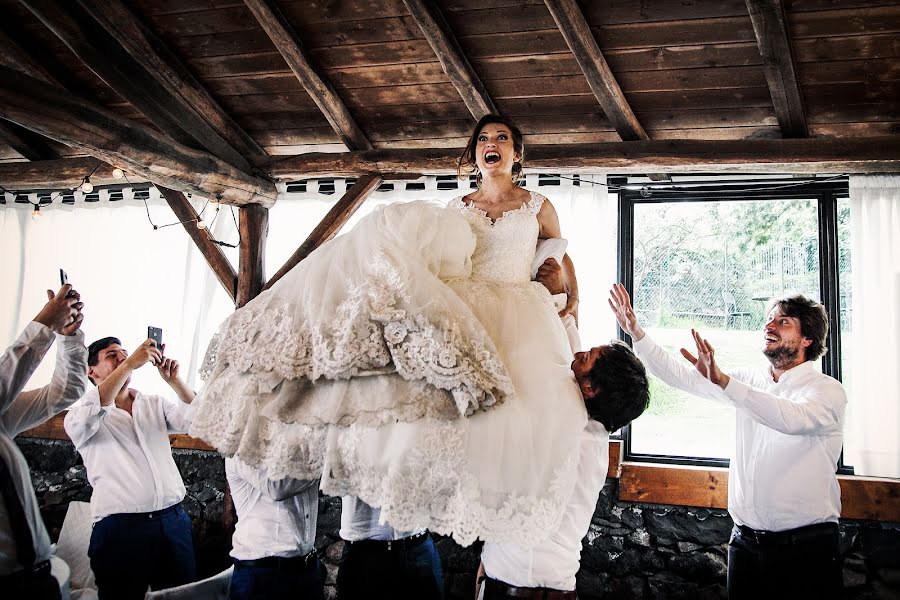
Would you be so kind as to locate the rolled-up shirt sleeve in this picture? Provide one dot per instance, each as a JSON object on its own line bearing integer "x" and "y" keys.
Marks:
{"x": 816, "y": 409}
{"x": 83, "y": 420}
{"x": 178, "y": 415}
{"x": 27, "y": 409}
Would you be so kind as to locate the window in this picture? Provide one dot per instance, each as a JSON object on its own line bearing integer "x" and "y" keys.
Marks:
{"x": 709, "y": 256}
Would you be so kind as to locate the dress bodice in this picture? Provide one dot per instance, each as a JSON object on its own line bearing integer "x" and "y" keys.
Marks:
{"x": 505, "y": 247}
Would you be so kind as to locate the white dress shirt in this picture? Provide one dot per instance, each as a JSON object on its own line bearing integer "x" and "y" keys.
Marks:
{"x": 275, "y": 518}
{"x": 23, "y": 410}
{"x": 128, "y": 457}
{"x": 359, "y": 521}
{"x": 788, "y": 434}
{"x": 554, "y": 562}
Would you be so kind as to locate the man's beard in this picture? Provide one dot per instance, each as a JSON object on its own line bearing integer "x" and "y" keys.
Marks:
{"x": 782, "y": 355}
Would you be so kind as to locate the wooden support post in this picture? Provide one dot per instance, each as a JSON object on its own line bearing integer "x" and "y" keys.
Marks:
{"x": 440, "y": 37}
{"x": 137, "y": 148}
{"x": 254, "y": 227}
{"x": 774, "y": 39}
{"x": 331, "y": 223}
{"x": 213, "y": 254}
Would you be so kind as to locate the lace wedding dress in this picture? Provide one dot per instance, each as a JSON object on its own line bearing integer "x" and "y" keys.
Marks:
{"x": 478, "y": 439}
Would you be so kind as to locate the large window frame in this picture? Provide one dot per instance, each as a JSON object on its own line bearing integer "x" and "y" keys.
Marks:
{"x": 826, "y": 194}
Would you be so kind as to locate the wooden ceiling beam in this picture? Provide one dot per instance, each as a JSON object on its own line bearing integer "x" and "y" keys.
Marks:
{"x": 317, "y": 86}
{"x": 58, "y": 174}
{"x": 202, "y": 238}
{"x": 800, "y": 156}
{"x": 431, "y": 21}
{"x": 27, "y": 143}
{"x": 774, "y": 40}
{"x": 99, "y": 45}
{"x": 137, "y": 148}
{"x": 331, "y": 223}
{"x": 575, "y": 30}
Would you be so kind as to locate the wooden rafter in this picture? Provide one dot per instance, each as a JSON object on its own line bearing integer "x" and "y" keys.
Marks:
{"x": 603, "y": 84}
{"x": 771, "y": 29}
{"x": 150, "y": 53}
{"x": 213, "y": 254}
{"x": 57, "y": 174}
{"x": 26, "y": 143}
{"x": 431, "y": 21}
{"x": 835, "y": 155}
{"x": 158, "y": 92}
{"x": 291, "y": 48}
{"x": 331, "y": 223}
{"x": 39, "y": 107}
{"x": 254, "y": 227}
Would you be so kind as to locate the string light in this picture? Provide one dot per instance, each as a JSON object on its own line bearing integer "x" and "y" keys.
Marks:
{"x": 86, "y": 186}
{"x": 200, "y": 223}
{"x": 118, "y": 173}
{"x": 36, "y": 212}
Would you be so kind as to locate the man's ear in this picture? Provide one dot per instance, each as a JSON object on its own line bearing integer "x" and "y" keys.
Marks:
{"x": 587, "y": 391}
{"x": 806, "y": 342}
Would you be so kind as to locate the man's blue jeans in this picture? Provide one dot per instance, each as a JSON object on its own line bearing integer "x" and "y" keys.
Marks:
{"x": 132, "y": 551}
{"x": 273, "y": 579}
{"x": 404, "y": 570}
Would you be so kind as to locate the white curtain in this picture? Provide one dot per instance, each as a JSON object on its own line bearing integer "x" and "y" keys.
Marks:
{"x": 131, "y": 276}
{"x": 873, "y": 445}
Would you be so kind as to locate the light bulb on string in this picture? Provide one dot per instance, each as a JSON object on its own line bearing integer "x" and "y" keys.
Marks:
{"x": 36, "y": 213}
{"x": 87, "y": 187}
{"x": 200, "y": 223}
{"x": 118, "y": 173}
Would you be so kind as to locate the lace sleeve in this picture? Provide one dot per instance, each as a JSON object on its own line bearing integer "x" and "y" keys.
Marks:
{"x": 536, "y": 202}
{"x": 457, "y": 203}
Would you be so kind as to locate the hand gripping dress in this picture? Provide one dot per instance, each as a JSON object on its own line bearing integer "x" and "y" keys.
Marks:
{"x": 469, "y": 430}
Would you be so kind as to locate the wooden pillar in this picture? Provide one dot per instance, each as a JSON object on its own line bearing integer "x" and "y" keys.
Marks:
{"x": 254, "y": 227}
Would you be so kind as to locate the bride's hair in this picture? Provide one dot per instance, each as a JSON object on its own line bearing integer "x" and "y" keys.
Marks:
{"x": 466, "y": 165}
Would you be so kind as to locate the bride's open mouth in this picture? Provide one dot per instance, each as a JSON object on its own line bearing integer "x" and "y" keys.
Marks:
{"x": 491, "y": 157}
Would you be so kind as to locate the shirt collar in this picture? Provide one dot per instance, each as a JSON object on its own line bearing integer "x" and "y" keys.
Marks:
{"x": 805, "y": 367}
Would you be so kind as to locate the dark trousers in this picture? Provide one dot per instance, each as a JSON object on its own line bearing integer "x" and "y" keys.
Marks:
{"x": 401, "y": 570}
{"x": 132, "y": 551}
{"x": 800, "y": 563}
{"x": 276, "y": 578}
{"x": 35, "y": 583}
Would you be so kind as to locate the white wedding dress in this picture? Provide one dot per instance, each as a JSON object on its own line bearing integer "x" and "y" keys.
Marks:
{"x": 488, "y": 450}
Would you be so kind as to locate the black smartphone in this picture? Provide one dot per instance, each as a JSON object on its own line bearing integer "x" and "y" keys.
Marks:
{"x": 63, "y": 277}
{"x": 155, "y": 334}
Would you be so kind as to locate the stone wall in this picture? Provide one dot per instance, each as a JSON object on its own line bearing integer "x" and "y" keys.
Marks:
{"x": 631, "y": 550}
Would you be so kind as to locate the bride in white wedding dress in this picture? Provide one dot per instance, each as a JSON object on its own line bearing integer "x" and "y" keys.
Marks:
{"x": 431, "y": 377}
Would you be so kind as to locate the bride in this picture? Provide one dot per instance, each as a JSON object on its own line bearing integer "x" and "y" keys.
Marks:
{"x": 413, "y": 364}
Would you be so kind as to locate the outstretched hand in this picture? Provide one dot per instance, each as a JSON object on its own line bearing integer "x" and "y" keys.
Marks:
{"x": 62, "y": 313}
{"x": 620, "y": 303}
{"x": 705, "y": 361}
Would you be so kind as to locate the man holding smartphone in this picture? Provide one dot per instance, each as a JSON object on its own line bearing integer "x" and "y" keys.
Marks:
{"x": 141, "y": 536}
{"x": 24, "y": 542}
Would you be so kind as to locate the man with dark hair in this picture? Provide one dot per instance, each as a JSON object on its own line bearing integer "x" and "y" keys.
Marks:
{"x": 616, "y": 391}
{"x": 141, "y": 536}
{"x": 24, "y": 543}
{"x": 783, "y": 494}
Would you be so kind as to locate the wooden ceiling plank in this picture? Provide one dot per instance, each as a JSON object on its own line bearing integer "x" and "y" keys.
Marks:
{"x": 331, "y": 223}
{"x": 202, "y": 238}
{"x": 578, "y": 36}
{"x": 100, "y": 51}
{"x": 146, "y": 49}
{"x": 431, "y": 21}
{"x": 291, "y": 48}
{"x": 772, "y": 35}
{"x": 840, "y": 155}
{"x": 39, "y": 107}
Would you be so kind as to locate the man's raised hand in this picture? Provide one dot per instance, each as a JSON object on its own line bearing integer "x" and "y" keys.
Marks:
{"x": 145, "y": 353}
{"x": 62, "y": 313}
{"x": 620, "y": 303}
{"x": 705, "y": 361}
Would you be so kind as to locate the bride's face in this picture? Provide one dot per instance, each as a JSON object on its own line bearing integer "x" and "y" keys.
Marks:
{"x": 494, "y": 152}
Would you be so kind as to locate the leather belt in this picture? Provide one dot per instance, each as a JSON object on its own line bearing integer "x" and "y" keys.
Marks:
{"x": 495, "y": 588}
{"x": 279, "y": 562}
{"x": 388, "y": 545}
{"x": 799, "y": 535}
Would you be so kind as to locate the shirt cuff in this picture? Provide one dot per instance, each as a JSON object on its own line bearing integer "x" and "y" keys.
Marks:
{"x": 643, "y": 344}
{"x": 737, "y": 391}
{"x": 76, "y": 339}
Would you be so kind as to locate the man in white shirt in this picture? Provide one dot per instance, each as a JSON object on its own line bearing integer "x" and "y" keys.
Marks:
{"x": 141, "y": 535}
{"x": 616, "y": 391}
{"x": 273, "y": 546}
{"x": 783, "y": 494}
{"x": 380, "y": 562}
{"x": 24, "y": 543}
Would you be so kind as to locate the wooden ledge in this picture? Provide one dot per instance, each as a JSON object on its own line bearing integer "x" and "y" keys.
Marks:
{"x": 871, "y": 498}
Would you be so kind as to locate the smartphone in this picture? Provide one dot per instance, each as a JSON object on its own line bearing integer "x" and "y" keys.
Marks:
{"x": 155, "y": 334}
{"x": 63, "y": 277}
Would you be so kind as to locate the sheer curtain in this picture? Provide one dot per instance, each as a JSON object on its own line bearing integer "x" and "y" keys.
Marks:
{"x": 874, "y": 377}
{"x": 131, "y": 276}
